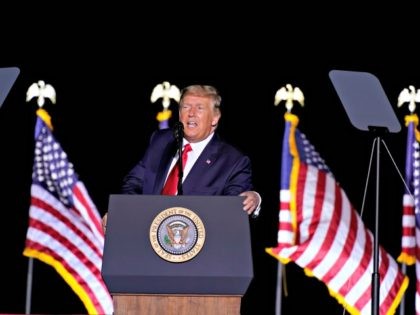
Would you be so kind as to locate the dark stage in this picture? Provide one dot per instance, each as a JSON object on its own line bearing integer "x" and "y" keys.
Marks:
{"x": 103, "y": 119}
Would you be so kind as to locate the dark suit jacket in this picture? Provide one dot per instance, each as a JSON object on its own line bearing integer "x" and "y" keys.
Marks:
{"x": 220, "y": 169}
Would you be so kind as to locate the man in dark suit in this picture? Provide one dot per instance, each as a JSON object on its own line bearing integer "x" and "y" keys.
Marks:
{"x": 213, "y": 167}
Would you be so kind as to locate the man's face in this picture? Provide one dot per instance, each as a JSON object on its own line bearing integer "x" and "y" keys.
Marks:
{"x": 199, "y": 117}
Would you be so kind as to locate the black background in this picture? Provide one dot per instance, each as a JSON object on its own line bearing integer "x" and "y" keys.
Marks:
{"x": 104, "y": 63}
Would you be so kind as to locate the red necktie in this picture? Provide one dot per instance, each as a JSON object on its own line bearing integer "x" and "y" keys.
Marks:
{"x": 171, "y": 185}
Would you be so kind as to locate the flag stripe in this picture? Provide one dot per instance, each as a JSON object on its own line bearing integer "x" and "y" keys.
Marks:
{"x": 286, "y": 235}
{"x": 408, "y": 239}
{"x": 88, "y": 211}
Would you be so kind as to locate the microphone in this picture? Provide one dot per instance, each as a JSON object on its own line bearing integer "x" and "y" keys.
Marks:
{"x": 178, "y": 131}
{"x": 256, "y": 213}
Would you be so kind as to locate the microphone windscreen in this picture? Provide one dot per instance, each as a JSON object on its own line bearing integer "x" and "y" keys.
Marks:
{"x": 178, "y": 130}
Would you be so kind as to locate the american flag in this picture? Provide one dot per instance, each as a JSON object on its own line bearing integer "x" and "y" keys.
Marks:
{"x": 320, "y": 231}
{"x": 64, "y": 225}
{"x": 410, "y": 252}
{"x": 408, "y": 240}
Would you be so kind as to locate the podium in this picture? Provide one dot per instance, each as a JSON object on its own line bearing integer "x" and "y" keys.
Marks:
{"x": 177, "y": 254}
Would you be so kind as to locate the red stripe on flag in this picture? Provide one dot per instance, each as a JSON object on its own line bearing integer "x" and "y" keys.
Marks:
{"x": 69, "y": 224}
{"x": 92, "y": 212}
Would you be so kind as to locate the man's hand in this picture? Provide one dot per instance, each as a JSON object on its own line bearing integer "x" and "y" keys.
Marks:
{"x": 252, "y": 202}
{"x": 104, "y": 220}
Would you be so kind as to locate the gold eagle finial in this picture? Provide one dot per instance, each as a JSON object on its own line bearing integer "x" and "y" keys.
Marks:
{"x": 166, "y": 91}
{"x": 411, "y": 96}
{"x": 289, "y": 94}
{"x": 42, "y": 91}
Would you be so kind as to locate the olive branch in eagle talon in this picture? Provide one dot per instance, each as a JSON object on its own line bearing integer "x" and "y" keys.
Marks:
{"x": 289, "y": 94}
{"x": 410, "y": 96}
{"x": 41, "y": 91}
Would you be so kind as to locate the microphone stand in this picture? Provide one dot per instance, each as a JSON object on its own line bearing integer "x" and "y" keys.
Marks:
{"x": 180, "y": 166}
{"x": 179, "y": 134}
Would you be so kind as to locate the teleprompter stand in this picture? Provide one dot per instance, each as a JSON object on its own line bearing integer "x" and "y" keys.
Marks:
{"x": 368, "y": 109}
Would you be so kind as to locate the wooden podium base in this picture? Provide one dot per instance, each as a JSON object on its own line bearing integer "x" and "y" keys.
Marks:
{"x": 176, "y": 304}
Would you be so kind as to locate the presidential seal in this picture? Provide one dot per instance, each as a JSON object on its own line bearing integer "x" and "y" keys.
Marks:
{"x": 177, "y": 234}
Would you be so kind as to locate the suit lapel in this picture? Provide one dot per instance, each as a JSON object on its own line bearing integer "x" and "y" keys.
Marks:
{"x": 202, "y": 165}
{"x": 165, "y": 162}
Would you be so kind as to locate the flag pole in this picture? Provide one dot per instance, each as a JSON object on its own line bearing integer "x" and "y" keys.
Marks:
{"x": 29, "y": 286}
{"x": 402, "y": 303}
{"x": 278, "y": 288}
